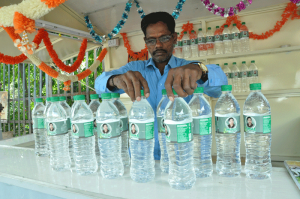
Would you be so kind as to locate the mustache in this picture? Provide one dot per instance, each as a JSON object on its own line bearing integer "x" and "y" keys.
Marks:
{"x": 160, "y": 50}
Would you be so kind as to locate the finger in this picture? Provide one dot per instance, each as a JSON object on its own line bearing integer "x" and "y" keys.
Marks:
{"x": 137, "y": 87}
{"x": 186, "y": 84}
{"x": 130, "y": 89}
{"x": 144, "y": 83}
{"x": 177, "y": 85}
{"x": 168, "y": 85}
{"x": 193, "y": 81}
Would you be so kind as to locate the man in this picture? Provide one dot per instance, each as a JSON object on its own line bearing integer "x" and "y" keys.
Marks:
{"x": 51, "y": 127}
{"x": 231, "y": 124}
{"x": 105, "y": 129}
{"x": 74, "y": 128}
{"x": 133, "y": 130}
{"x": 249, "y": 122}
{"x": 162, "y": 70}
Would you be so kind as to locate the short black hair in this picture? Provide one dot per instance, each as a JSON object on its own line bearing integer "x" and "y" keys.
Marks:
{"x": 231, "y": 119}
{"x": 155, "y": 17}
{"x": 249, "y": 118}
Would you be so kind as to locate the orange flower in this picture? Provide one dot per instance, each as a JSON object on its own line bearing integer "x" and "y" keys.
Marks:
{"x": 130, "y": 52}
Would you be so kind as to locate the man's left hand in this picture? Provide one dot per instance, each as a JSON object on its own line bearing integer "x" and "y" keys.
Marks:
{"x": 183, "y": 79}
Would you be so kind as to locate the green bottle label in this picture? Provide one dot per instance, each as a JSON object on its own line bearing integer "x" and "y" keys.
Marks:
{"x": 161, "y": 125}
{"x": 178, "y": 132}
{"x": 141, "y": 130}
{"x": 230, "y": 75}
{"x": 257, "y": 124}
{"x": 108, "y": 129}
{"x": 194, "y": 41}
{"x": 186, "y": 42}
{"x": 235, "y": 75}
{"x": 178, "y": 44}
{"x": 235, "y": 35}
{"x": 243, "y": 74}
{"x": 254, "y": 73}
{"x": 244, "y": 34}
{"x": 82, "y": 130}
{"x": 201, "y": 40}
{"x": 57, "y": 128}
{"x": 227, "y": 124}
{"x": 38, "y": 123}
{"x": 210, "y": 39}
{"x": 227, "y": 75}
{"x": 226, "y": 37}
{"x": 69, "y": 123}
{"x": 218, "y": 37}
{"x": 124, "y": 124}
{"x": 202, "y": 125}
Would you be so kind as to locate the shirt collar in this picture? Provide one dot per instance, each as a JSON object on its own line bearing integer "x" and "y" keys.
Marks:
{"x": 171, "y": 63}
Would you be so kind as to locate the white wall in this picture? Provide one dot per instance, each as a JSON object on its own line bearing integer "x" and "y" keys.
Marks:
{"x": 279, "y": 74}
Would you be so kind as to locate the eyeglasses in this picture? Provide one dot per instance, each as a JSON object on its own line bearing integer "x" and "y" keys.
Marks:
{"x": 162, "y": 39}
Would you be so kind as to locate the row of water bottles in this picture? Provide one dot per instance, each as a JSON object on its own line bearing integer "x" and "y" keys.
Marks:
{"x": 213, "y": 43}
{"x": 185, "y": 136}
{"x": 241, "y": 77}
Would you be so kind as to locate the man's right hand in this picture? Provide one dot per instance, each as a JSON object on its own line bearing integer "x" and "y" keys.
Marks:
{"x": 131, "y": 82}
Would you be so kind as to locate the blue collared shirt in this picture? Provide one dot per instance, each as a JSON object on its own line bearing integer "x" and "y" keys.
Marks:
{"x": 156, "y": 83}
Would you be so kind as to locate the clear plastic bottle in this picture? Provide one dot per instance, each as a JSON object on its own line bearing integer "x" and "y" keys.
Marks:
{"x": 253, "y": 73}
{"x": 94, "y": 105}
{"x": 83, "y": 137}
{"x": 179, "y": 120}
{"x": 210, "y": 39}
{"x": 202, "y": 43}
{"x": 39, "y": 131}
{"x": 194, "y": 44}
{"x": 244, "y": 38}
{"x": 109, "y": 133}
{"x": 160, "y": 112}
{"x": 186, "y": 46}
{"x": 201, "y": 112}
{"x": 244, "y": 79}
{"x": 257, "y": 125}
{"x": 58, "y": 137}
{"x": 235, "y": 36}
{"x": 141, "y": 126}
{"x": 236, "y": 80}
{"x": 228, "y": 135}
{"x": 67, "y": 108}
{"x": 219, "y": 47}
{"x": 123, "y": 127}
{"x": 48, "y": 103}
{"x": 228, "y": 73}
{"x": 227, "y": 40}
{"x": 178, "y": 47}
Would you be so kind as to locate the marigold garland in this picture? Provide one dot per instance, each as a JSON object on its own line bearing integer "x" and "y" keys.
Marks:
{"x": 130, "y": 52}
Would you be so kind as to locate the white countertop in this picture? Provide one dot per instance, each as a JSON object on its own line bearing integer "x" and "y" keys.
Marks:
{"x": 20, "y": 167}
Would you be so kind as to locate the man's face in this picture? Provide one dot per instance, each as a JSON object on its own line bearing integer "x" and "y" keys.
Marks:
{"x": 160, "y": 52}
{"x": 74, "y": 129}
{"x": 51, "y": 126}
{"x": 249, "y": 121}
{"x": 105, "y": 128}
{"x": 133, "y": 128}
{"x": 231, "y": 122}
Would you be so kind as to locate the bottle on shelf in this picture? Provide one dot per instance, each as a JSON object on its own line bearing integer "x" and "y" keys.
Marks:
{"x": 194, "y": 44}
{"x": 178, "y": 47}
{"x": 228, "y": 73}
{"x": 235, "y": 35}
{"x": 202, "y": 43}
{"x": 94, "y": 105}
{"x": 141, "y": 126}
{"x": 202, "y": 114}
{"x": 236, "y": 79}
{"x": 123, "y": 127}
{"x": 244, "y": 79}
{"x": 83, "y": 137}
{"x": 179, "y": 135}
{"x": 109, "y": 138}
{"x": 210, "y": 39}
{"x": 219, "y": 48}
{"x": 58, "y": 137}
{"x": 160, "y": 112}
{"x": 244, "y": 38}
{"x": 39, "y": 131}
{"x": 257, "y": 125}
{"x": 228, "y": 136}
{"x": 253, "y": 73}
{"x": 227, "y": 40}
{"x": 186, "y": 46}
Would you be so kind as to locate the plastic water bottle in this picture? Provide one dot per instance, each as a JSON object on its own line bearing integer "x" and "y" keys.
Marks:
{"x": 186, "y": 46}
{"x": 236, "y": 80}
{"x": 201, "y": 112}
{"x": 244, "y": 35}
{"x": 235, "y": 36}
{"x": 178, "y": 47}
{"x": 94, "y": 104}
{"x": 48, "y": 103}
{"x": 39, "y": 131}
{"x": 210, "y": 39}
{"x": 244, "y": 78}
{"x": 179, "y": 120}
{"x": 141, "y": 126}
{"x": 67, "y": 108}
{"x": 228, "y": 73}
{"x": 227, "y": 40}
{"x": 228, "y": 135}
{"x": 194, "y": 44}
{"x": 202, "y": 43}
{"x": 257, "y": 123}
{"x": 219, "y": 48}
{"x": 253, "y": 73}
{"x": 83, "y": 137}
{"x": 109, "y": 133}
{"x": 160, "y": 112}
{"x": 58, "y": 137}
{"x": 123, "y": 127}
